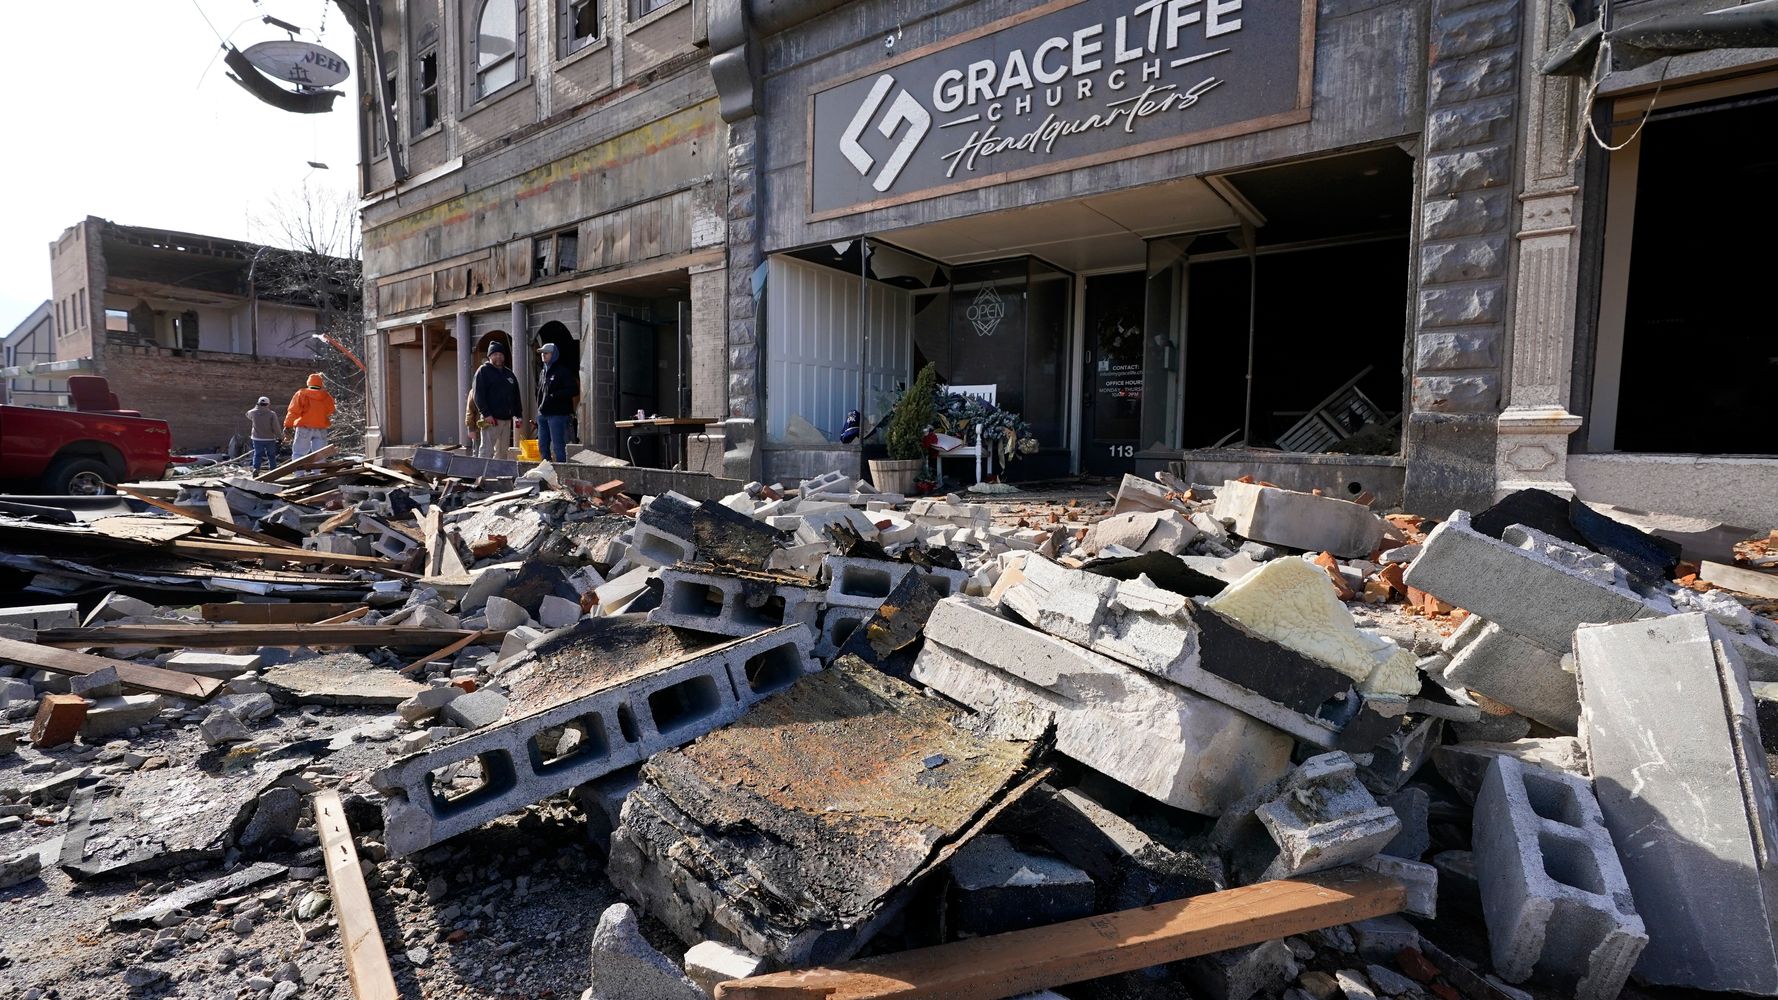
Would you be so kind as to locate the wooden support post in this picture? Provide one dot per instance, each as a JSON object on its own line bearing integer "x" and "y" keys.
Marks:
{"x": 367, "y": 963}
{"x": 218, "y": 635}
{"x": 1005, "y": 965}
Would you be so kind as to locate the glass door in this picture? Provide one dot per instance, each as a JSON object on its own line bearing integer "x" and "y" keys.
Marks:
{"x": 1112, "y": 407}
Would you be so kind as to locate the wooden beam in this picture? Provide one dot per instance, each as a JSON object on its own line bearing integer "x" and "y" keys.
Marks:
{"x": 249, "y": 553}
{"x": 367, "y": 962}
{"x": 1005, "y": 965}
{"x": 339, "y": 520}
{"x": 432, "y": 536}
{"x": 345, "y": 616}
{"x": 452, "y": 649}
{"x": 258, "y": 613}
{"x": 217, "y": 635}
{"x": 315, "y": 457}
{"x": 219, "y": 507}
{"x": 155, "y": 680}
{"x": 226, "y": 524}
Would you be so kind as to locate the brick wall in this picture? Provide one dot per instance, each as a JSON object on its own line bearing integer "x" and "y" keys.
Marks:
{"x": 204, "y": 397}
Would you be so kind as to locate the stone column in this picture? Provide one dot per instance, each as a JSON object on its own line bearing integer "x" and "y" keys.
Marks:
{"x": 1461, "y": 263}
{"x": 464, "y": 348}
{"x": 524, "y": 365}
{"x": 745, "y": 426}
{"x": 1532, "y": 442}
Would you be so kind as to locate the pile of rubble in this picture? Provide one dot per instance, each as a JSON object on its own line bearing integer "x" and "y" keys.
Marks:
{"x": 1227, "y": 741}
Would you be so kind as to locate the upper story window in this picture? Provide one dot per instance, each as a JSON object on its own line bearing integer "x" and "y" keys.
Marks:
{"x": 643, "y": 8}
{"x": 426, "y": 78}
{"x": 581, "y": 24}
{"x": 496, "y": 46}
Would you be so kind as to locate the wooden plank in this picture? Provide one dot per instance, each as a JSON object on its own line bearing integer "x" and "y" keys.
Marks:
{"x": 235, "y": 550}
{"x": 155, "y": 680}
{"x": 338, "y": 520}
{"x": 219, "y": 507}
{"x": 226, "y": 524}
{"x": 452, "y": 649}
{"x": 367, "y": 963}
{"x": 1005, "y": 965}
{"x": 261, "y": 613}
{"x": 1752, "y": 582}
{"x": 346, "y": 616}
{"x": 218, "y": 635}
{"x": 313, "y": 458}
{"x": 432, "y": 536}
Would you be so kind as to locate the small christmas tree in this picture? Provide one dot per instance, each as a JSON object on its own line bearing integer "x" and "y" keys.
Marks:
{"x": 913, "y": 413}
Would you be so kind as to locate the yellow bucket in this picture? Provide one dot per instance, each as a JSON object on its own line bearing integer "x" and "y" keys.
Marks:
{"x": 528, "y": 450}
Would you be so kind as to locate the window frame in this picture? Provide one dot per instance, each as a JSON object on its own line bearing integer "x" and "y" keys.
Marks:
{"x": 476, "y": 70}
{"x": 426, "y": 46}
{"x": 566, "y": 44}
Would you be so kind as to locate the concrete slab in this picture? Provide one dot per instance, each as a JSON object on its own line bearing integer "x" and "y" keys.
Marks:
{"x": 338, "y": 679}
{"x": 1513, "y": 671}
{"x": 1668, "y": 724}
{"x": 1299, "y": 520}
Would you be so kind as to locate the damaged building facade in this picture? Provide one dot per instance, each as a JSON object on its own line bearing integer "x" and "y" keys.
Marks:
{"x": 1366, "y": 248}
{"x": 186, "y": 328}
{"x": 556, "y": 176}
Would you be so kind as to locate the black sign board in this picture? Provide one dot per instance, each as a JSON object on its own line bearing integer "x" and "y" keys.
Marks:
{"x": 1064, "y": 85}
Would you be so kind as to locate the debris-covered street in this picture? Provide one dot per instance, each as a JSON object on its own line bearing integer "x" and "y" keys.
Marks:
{"x": 520, "y": 733}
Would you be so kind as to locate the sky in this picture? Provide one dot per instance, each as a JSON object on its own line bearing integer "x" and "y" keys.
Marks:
{"x": 122, "y": 109}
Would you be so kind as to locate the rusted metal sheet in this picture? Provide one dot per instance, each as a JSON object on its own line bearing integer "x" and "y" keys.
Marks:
{"x": 594, "y": 654}
{"x": 795, "y": 832}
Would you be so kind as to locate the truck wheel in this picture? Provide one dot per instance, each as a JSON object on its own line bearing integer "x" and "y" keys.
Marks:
{"x": 78, "y": 476}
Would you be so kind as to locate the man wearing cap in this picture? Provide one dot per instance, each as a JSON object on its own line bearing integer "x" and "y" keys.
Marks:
{"x": 263, "y": 433}
{"x": 310, "y": 415}
{"x": 495, "y": 393}
{"x": 560, "y": 387}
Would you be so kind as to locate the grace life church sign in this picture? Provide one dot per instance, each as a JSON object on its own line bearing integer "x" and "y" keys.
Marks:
{"x": 1064, "y": 85}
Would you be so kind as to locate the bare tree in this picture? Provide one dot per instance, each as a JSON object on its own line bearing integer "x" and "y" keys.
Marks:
{"x": 311, "y": 258}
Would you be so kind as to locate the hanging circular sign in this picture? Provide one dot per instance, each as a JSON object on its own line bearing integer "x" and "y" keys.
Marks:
{"x": 303, "y": 63}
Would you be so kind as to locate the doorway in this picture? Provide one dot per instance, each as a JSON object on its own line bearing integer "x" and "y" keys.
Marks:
{"x": 1111, "y": 405}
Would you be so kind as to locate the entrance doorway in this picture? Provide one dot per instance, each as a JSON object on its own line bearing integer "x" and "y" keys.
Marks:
{"x": 1111, "y": 405}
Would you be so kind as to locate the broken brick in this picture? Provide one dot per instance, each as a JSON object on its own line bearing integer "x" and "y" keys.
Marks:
{"x": 58, "y": 721}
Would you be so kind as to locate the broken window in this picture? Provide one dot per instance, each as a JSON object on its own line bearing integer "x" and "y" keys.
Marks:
{"x": 542, "y": 257}
{"x": 380, "y": 134}
{"x": 185, "y": 331}
{"x": 496, "y": 46}
{"x": 580, "y": 22}
{"x": 427, "y": 95}
{"x": 117, "y": 321}
{"x": 567, "y": 251}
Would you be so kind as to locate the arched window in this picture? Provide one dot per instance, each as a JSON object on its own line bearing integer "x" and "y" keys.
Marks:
{"x": 496, "y": 46}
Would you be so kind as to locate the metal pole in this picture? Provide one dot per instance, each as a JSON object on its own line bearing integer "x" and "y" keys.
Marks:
{"x": 1252, "y": 299}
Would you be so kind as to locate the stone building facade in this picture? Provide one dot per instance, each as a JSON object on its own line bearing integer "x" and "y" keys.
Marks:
{"x": 1355, "y": 245}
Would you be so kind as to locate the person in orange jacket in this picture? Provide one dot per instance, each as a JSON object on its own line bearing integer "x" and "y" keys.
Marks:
{"x": 310, "y": 414}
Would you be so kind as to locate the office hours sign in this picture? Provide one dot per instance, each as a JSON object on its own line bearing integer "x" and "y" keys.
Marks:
{"x": 1064, "y": 85}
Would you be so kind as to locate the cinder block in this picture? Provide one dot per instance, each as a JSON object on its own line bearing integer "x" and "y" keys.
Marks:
{"x": 866, "y": 583}
{"x": 651, "y": 546}
{"x": 1513, "y": 671}
{"x": 1299, "y": 520}
{"x": 1668, "y": 725}
{"x": 1156, "y": 737}
{"x": 1553, "y": 894}
{"x": 1411, "y": 806}
{"x": 1420, "y": 878}
{"x": 101, "y": 683}
{"x": 837, "y": 625}
{"x": 708, "y": 963}
{"x": 1239, "y": 973}
{"x": 527, "y": 759}
{"x": 732, "y": 605}
{"x": 42, "y": 616}
{"x": 1465, "y": 765}
{"x": 1318, "y": 816}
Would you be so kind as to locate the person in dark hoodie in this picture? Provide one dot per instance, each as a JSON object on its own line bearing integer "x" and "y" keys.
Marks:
{"x": 559, "y": 387}
{"x": 496, "y": 392}
{"x": 264, "y": 433}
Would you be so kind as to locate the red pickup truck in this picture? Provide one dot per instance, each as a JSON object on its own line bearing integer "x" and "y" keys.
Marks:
{"x": 79, "y": 451}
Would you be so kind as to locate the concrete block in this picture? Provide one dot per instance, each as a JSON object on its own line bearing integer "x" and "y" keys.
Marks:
{"x": 708, "y": 963}
{"x": 222, "y": 727}
{"x": 1465, "y": 765}
{"x": 862, "y": 583}
{"x": 1299, "y": 520}
{"x": 16, "y": 690}
{"x": 1382, "y": 938}
{"x": 601, "y": 801}
{"x": 475, "y": 710}
{"x": 20, "y": 868}
{"x": 1540, "y": 591}
{"x": 101, "y": 683}
{"x": 1318, "y": 816}
{"x": 626, "y": 967}
{"x": 1553, "y": 894}
{"x": 42, "y": 616}
{"x": 427, "y": 703}
{"x": 1240, "y": 973}
{"x": 837, "y": 625}
{"x": 999, "y": 888}
{"x": 251, "y": 707}
{"x": 504, "y": 615}
{"x": 620, "y": 723}
{"x": 557, "y": 612}
{"x": 1156, "y": 737}
{"x": 517, "y": 641}
{"x": 58, "y": 720}
{"x": 111, "y": 716}
{"x": 1513, "y": 671}
{"x": 616, "y": 593}
{"x": 1668, "y": 725}
{"x": 651, "y": 546}
{"x": 224, "y": 666}
{"x": 1141, "y": 531}
{"x": 723, "y": 604}
{"x": 1421, "y": 879}
{"x": 1292, "y": 602}
{"x": 1411, "y": 806}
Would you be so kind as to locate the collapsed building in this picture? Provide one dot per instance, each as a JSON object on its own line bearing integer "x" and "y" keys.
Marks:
{"x": 1228, "y": 740}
